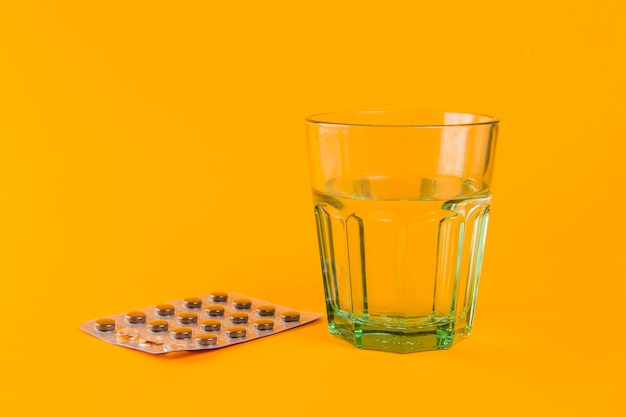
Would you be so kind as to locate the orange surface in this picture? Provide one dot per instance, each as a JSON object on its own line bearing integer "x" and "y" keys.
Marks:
{"x": 155, "y": 150}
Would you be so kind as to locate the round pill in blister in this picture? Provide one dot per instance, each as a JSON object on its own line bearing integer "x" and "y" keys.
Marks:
{"x": 187, "y": 317}
{"x": 218, "y": 297}
{"x": 290, "y": 316}
{"x": 136, "y": 317}
{"x": 242, "y": 303}
{"x": 183, "y": 332}
{"x": 265, "y": 310}
{"x": 215, "y": 310}
{"x": 235, "y": 332}
{"x": 192, "y": 302}
{"x": 104, "y": 325}
{"x": 238, "y": 318}
{"x": 264, "y": 324}
{"x": 207, "y": 339}
{"x": 157, "y": 326}
{"x": 210, "y": 325}
{"x": 165, "y": 309}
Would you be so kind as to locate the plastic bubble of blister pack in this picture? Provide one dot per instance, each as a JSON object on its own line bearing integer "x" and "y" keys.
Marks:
{"x": 208, "y": 321}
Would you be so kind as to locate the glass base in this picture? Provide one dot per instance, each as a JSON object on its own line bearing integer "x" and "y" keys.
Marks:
{"x": 398, "y": 339}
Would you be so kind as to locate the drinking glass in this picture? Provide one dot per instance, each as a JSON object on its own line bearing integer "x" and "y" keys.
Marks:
{"x": 401, "y": 201}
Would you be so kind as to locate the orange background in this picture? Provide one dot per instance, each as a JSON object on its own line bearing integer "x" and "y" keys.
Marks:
{"x": 155, "y": 150}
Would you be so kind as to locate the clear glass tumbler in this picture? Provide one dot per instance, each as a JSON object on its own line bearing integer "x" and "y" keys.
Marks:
{"x": 402, "y": 204}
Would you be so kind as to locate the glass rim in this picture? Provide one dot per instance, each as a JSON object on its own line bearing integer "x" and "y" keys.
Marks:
{"x": 339, "y": 119}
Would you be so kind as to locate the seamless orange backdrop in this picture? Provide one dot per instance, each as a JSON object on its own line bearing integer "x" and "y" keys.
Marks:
{"x": 155, "y": 150}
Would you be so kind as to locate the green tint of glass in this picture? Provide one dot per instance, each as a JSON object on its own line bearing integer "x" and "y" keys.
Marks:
{"x": 402, "y": 207}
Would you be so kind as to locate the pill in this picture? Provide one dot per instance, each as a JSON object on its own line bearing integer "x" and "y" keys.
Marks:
{"x": 136, "y": 317}
{"x": 290, "y": 316}
{"x": 210, "y": 325}
{"x": 215, "y": 310}
{"x": 235, "y": 332}
{"x": 264, "y": 324}
{"x": 127, "y": 334}
{"x": 242, "y": 303}
{"x": 218, "y": 297}
{"x": 165, "y": 309}
{"x": 104, "y": 325}
{"x": 157, "y": 326}
{"x": 238, "y": 318}
{"x": 192, "y": 302}
{"x": 265, "y": 310}
{"x": 150, "y": 341}
{"x": 183, "y": 332}
{"x": 187, "y": 317}
{"x": 207, "y": 339}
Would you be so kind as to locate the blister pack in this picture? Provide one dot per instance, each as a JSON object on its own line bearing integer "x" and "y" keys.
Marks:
{"x": 208, "y": 321}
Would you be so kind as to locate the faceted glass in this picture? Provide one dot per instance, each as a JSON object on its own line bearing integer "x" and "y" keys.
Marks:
{"x": 401, "y": 202}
